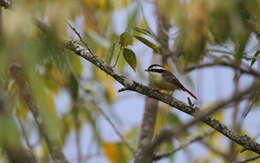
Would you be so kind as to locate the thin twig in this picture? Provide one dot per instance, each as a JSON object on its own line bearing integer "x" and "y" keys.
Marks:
{"x": 251, "y": 102}
{"x": 220, "y": 51}
{"x": 131, "y": 149}
{"x": 215, "y": 150}
{"x": 80, "y": 38}
{"x": 87, "y": 157}
{"x": 119, "y": 53}
{"x": 77, "y": 137}
{"x": 230, "y": 53}
{"x": 249, "y": 70}
{"x": 123, "y": 89}
{"x": 235, "y": 123}
{"x": 77, "y": 33}
{"x": 26, "y": 138}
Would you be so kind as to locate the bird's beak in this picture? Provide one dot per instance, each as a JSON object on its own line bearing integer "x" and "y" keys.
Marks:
{"x": 146, "y": 70}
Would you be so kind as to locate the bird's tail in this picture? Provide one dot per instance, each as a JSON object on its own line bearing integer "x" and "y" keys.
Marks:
{"x": 186, "y": 90}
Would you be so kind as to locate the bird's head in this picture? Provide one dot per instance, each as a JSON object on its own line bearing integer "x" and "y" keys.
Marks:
{"x": 155, "y": 68}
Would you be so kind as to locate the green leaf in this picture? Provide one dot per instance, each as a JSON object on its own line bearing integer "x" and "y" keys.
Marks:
{"x": 67, "y": 125}
{"x": 76, "y": 64}
{"x": 143, "y": 31}
{"x": 254, "y": 58}
{"x": 126, "y": 39}
{"x": 241, "y": 40}
{"x": 174, "y": 119}
{"x": 130, "y": 57}
{"x": 170, "y": 147}
{"x": 148, "y": 43}
{"x": 9, "y": 135}
{"x": 74, "y": 87}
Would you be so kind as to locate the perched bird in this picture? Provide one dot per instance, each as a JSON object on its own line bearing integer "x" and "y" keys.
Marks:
{"x": 165, "y": 80}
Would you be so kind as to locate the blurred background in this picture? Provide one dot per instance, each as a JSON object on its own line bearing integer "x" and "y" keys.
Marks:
{"x": 52, "y": 100}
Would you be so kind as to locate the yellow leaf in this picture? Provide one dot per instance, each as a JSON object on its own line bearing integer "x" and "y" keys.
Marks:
{"x": 52, "y": 86}
{"x": 161, "y": 119}
{"x": 113, "y": 152}
{"x": 22, "y": 109}
{"x": 97, "y": 4}
{"x": 90, "y": 26}
{"x": 102, "y": 3}
{"x": 92, "y": 3}
{"x": 51, "y": 102}
{"x": 58, "y": 76}
{"x": 54, "y": 78}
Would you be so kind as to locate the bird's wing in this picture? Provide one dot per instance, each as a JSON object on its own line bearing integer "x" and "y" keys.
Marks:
{"x": 169, "y": 77}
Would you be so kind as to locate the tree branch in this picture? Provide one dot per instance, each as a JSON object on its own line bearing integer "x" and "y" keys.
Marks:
{"x": 81, "y": 51}
{"x": 167, "y": 154}
{"x": 201, "y": 116}
{"x": 248, "y": 71}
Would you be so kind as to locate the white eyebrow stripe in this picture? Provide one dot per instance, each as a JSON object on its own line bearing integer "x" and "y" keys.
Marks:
{"x": 156, "y": 67}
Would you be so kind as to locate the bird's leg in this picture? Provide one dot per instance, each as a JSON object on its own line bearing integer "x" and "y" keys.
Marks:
{"x": 159, "y": 90}
{"x": 190, "y": 103}
{"x": 170, "y": 93}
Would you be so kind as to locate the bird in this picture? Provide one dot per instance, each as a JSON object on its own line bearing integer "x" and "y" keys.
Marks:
{"x": 165, "y": 80}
